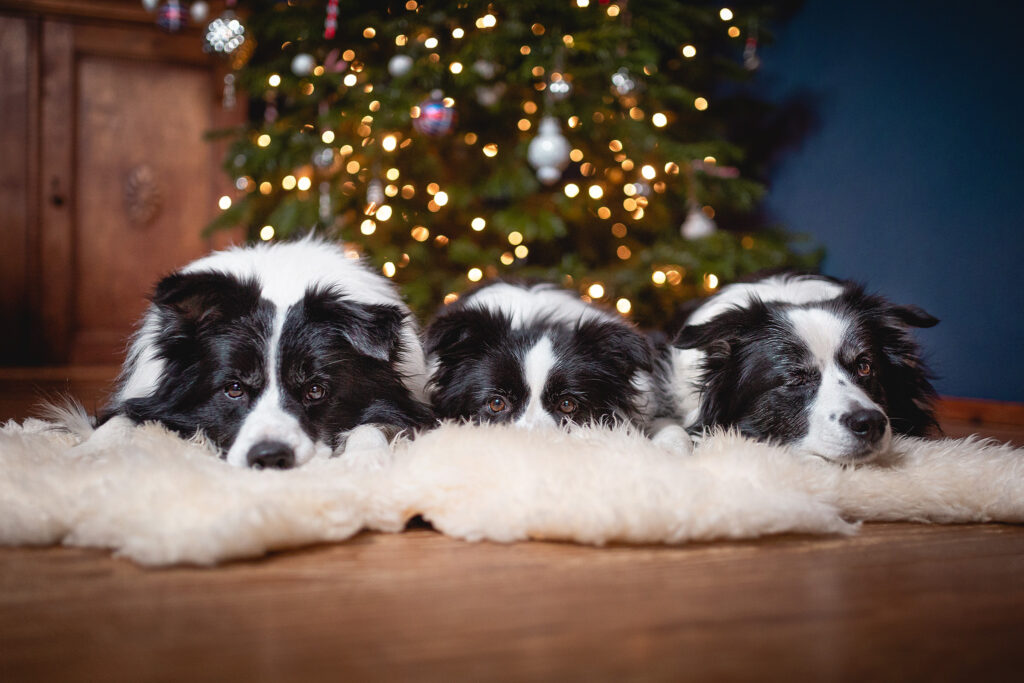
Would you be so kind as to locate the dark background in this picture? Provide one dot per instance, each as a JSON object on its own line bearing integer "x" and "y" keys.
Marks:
{"x": 911, "y": 177}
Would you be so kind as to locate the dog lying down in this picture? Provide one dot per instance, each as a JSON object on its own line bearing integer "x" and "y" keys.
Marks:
{"x": 805, "y": 361}
{"x": 538, "y": 356}
{"x": 277, "y": 353}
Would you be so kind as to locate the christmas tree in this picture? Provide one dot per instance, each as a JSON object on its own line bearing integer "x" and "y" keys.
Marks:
{"x": 580, "y": 142}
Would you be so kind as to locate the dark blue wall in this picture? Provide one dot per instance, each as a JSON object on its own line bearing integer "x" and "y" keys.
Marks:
{"x": 913, "y": 180}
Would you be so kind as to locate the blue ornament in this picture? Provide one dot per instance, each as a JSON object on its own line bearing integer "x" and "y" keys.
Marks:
{"x": 435, "y": 118}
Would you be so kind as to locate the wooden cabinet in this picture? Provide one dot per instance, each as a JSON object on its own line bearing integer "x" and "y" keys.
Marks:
{"x": 106, "y": 179}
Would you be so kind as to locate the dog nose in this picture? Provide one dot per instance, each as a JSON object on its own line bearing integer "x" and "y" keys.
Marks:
{"x": 866, "y": 423}
{"x": 272, "y": 455}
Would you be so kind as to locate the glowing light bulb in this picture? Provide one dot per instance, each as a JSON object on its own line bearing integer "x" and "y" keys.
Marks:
{"x": 224, "y": 203}
{"x": 648, "y": 172}
{"x": 689, "y": 51}
{"x": 515, "y": 237}
{"x": 596, "y": 290}
{"x": 455, "y": 67}
{"x": 711, "y": 281}
{"x": 441, "y": 198}
{"x": 388, "y": 269}
{"x": 263, "y": 140}
{"x": 430, "y": 43}
{"x": 288, "y": 182}
{"x": 659, "y": 120}
{"x": 383, "y": 212}
{"x": 368, "y": 227}
{"x": 267, "y": 232}
{"x": 725, "y": 13}
{"x": 700, "y": 104}
{"x": 457, "y": 33}
{"x": 623, "y": 306}
{"x": 571, "y": 190}
{"x": 658, "y": 277}
{"x": 478, "y": 224}
{"x": 595, "y": 191}
{"x": 389, "y": 143}
{"x": 274, "y": 80}
{"x": 474, "y": 274}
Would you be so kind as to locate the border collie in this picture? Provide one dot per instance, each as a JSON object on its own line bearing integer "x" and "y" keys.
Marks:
{"x": 276, "y": 353}
{"x": 807, "y": 361}
{"x": 536, "y": 356}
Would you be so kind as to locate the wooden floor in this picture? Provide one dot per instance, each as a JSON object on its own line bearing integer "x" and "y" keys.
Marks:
{"x": 894, "y": 602}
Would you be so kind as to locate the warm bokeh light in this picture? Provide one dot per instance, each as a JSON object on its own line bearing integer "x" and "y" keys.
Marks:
{"x": 327, "y": 137}
{"x": 725, "y": 13}
{"x": 700, "y": 104}
{"x": 224, "y": 202}
{"x": 383, "y": 212}
{"x": 711, "y": 281}
{"x": 648, "y": 172}
{"x": 274, "y": 80}
{"x": 420, "y": 233}
{"x": 267, "y": 232}
{"x": 389, "y": 143}
{"x": 515, "y": 237}
{"x": 475, "y": 274}
{"x": 689, "y": 51}
{"x": 596, "y": 290}
{"x": 623, "y": 306}
{"x": 388, "y": 269}
{"x": 288, "y": 182}
{"x": 304, "y": 183}
{"x": 571, "y": 190}
{"x": 659, "y": 120}
{"x": 368, "y": 227}
{"x": 455, "y": 67}
{"x": 478, "y": 224}
{"x": 658, "y": 277}
{"x": 595, "y": 191}
{"x": 522, "y": 251}
{"x": 263, "y": 140}
{"x": 441, "y": 198}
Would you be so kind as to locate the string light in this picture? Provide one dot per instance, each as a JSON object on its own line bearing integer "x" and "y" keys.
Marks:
{"x": 441, "y": 198}
{"x": 474, "y": 274}
{"x": 623, "y": 306}
{"x": 711, "y": 281}
{"x": 522, "y": 251}
{"x": 571, "y": 190}
{"x": 596, "y": 290}
{"x": 619, "y": 230}
{"x": 267, "y": 233}
{"x": 383, "y": 212}
{"x": 689, "y": 51}
{"x": 734, "y": 32}
{"x": 327, "y": 137}
{"x": 393, "y": 174}
{"x": 700, "y": 104}
{"x": 595, "y": 191}
{"x": 623, "y": 252}
{"x": 349, "y": 80}
{"x": 659, "y": 120}
{"x": 274, "y": 80}
{"x": 389, "y": 143}
{"x": 388, "y": 269}
{"x": 658, "y": 277}
{"x": 266, "y": 187}
{"x": 263, "y": 141}
{"x": 507, "y": 258}
{"x": 420, "y": 233}
{"x": 457, "y": 33}
{"x": 450, "y": 298}
{"x": 368, "y": 226}
{"x": 224, "y": 203}
{"x": 304, "y": 183}
{"x": 725, "y": 13}
{"x": 478, "y": 224}
{"x": 648, "y": 172}
{"x": 455, "y": 67}
{"x": 490, "y": 150}
{"x": 515, "y": 237}
{"x": 288, "y": 182}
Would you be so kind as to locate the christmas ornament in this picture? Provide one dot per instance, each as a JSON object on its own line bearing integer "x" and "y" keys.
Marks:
{"x": 198, "y": 11}
{"x": 325, "y": 202}
{"x": 560, "y": 88}
{"x": 399, "y": 65}
{"x": 331, "y": 22}
{"x": 334, "y": 63}
{"x": 485, "y": 69}
{"x": 374, "y": 196}
{"x": 750, "y": 59}
{"x": 228, "y": 101}
{"x": 225, "y": 34}
{"x": 435, "y": 118}
{"x": 549, "y": 151}
{"x": 302, "y": 64}
{"x": 171, "y": 17}
{"x": 697, "y": 224}
{"x": 150, "y": 5}
{"x": 323, "y": 157}
{"x": 641, "y": 188}
{"x": 622, "y": 82}
{"x": 490, "y": 95}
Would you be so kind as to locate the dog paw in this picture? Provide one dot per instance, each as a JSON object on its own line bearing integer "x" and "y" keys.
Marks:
{"x": 367, "y": 448}
{"x": 674, "y": 438}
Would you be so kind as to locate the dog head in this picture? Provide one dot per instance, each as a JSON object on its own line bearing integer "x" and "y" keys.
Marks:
{"x": 490, "y": 364}
{"x": 833, "y": 378}
{"x": 270, "y": 380}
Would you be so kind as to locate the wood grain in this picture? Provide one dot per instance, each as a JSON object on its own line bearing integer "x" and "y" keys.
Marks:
{"x": 895, "y": 602}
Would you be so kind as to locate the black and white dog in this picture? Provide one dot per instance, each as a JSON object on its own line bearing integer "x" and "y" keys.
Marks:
{"x": 537, "y": 356}
{"x": 276, "y": 353}
{"x": 807, "y": 361}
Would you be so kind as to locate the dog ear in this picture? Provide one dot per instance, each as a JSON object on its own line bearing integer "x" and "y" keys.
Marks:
{"x": 462, "y": 331}
{"x": 718, "y": 336}
{"x": 373, "y": 330}
{"x": 204, "y": 297}
{"x": 913, "y": 316}
{"x": 618, "y": 344}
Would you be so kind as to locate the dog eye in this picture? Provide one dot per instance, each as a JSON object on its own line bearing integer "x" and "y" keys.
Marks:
{"x": 234, "y": 390}
{"x": 863, "y": 367}
{"x": 567, "y": 406}
{"x": 316, "y": 392}
{"x": 497, "y": 404}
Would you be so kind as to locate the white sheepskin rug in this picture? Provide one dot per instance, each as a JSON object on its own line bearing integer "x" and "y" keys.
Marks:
{"x": 162, "y": 500}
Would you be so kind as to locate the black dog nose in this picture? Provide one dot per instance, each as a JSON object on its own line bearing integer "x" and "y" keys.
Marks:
{"x": 272, "y": 455}
{"x": 866, "y": 423}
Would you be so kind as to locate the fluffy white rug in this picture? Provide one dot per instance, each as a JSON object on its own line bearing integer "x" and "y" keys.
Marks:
{"x": 160, "y": 500}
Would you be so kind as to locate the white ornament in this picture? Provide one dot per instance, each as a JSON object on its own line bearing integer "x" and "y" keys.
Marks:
{"x": 150, "y": 5}
{"x": 198, "y": 11}
{"x": 489, "y": 95}
{"x": 399, "y": 65}
{"x": 697, "y": 225}
{"x": 485, "y": 69}
{"x": 302, "y": 64}
{"x": 549, "y": 151}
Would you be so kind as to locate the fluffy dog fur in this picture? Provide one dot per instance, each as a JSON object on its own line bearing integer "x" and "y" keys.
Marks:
{"x": 276, "y": 353}
{"x": 158, "y": 499}
{"x": 807, "y": 361}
